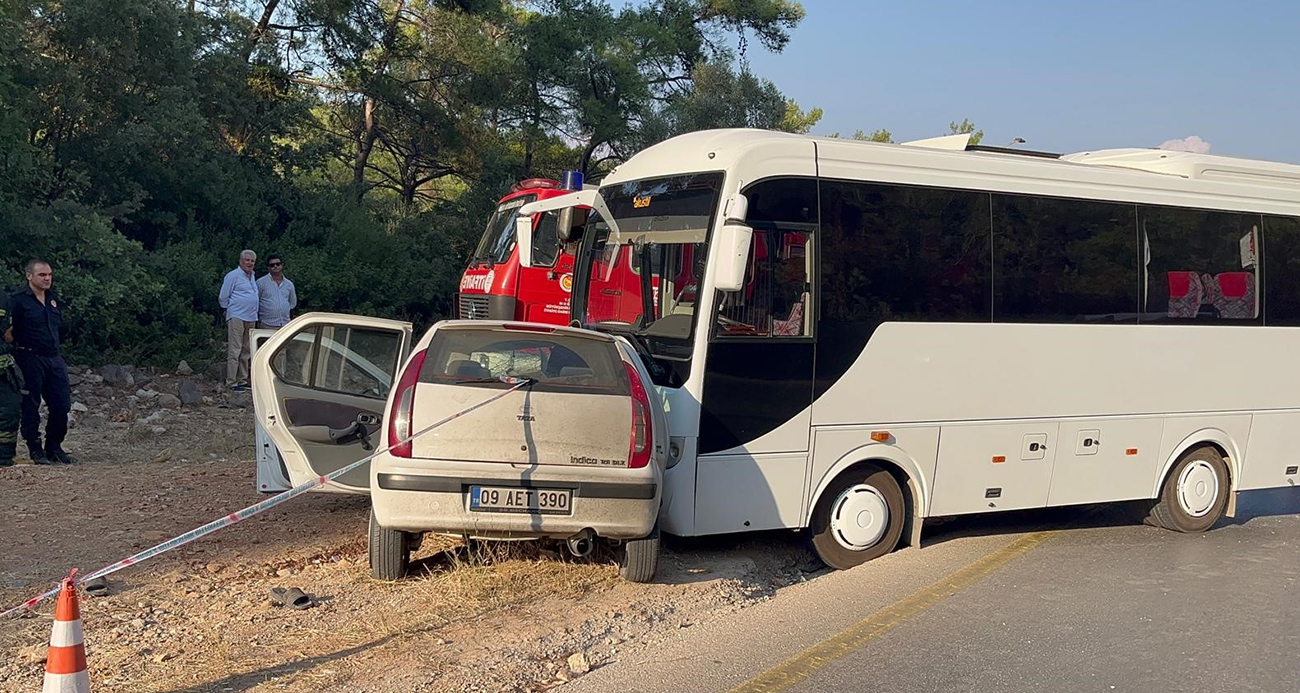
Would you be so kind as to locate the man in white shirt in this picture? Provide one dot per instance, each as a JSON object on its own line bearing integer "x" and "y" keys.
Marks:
{"x": 239, "y": 298}
{"x": 277, "y": 296}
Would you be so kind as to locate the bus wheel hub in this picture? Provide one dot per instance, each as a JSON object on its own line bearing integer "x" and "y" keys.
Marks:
{"x": 1198, "y": 488}
{"x": 859, "y": 517}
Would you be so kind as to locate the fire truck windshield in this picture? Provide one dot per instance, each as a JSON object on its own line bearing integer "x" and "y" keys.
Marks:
{"x": 498, "y": 240}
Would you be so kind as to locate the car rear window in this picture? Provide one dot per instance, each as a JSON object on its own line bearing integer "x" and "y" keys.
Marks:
{"x": 559, "y": 362}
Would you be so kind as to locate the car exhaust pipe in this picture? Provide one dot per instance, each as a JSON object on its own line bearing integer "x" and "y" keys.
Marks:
{"x": 581, "y": 544}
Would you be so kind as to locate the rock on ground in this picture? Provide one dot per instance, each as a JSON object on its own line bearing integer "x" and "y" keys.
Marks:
{"x": 189, "y": 393}
{"x": 116, "y": 376}
{"x": 578, "y": 663}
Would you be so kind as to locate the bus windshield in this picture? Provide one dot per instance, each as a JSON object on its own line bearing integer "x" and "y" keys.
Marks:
{"x": 646, "y": 278}
{"x": 498, "y": 239}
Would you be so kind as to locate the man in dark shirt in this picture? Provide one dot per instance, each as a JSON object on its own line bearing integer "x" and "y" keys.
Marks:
{"x": 36, "y": 313}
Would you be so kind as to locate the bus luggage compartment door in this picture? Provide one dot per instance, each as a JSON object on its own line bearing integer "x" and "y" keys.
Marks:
{"x": 987, "y": 467}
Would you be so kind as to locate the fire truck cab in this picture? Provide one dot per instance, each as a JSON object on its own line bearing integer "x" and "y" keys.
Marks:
{"x": 496, "y": 286}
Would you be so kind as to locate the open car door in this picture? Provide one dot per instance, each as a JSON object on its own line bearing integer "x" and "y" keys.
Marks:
{"x": 319, "y": 389}
{"x": 272, "y": 476}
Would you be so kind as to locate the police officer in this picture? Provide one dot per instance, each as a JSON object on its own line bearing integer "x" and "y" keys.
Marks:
{"x": 36, "y": 313}
{"x": 11, "y": 393}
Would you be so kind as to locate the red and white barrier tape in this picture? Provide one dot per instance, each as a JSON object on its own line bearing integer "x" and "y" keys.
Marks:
{"x": 250, "y": 511}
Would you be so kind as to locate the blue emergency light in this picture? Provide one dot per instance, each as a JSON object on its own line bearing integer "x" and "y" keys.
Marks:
{"x": 571, "y": 180}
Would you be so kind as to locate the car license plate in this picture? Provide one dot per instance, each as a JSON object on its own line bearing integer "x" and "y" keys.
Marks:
{"x": 543, "y": 501}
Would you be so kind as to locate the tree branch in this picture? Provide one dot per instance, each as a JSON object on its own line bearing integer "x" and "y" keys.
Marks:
{"x": 259, "y": 30}
{"x": 323, "y": 85}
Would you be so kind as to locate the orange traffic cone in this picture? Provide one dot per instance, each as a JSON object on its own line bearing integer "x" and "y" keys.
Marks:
{"x": 65, "y": 668}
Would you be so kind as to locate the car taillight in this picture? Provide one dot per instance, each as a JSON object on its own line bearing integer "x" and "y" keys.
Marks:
{"x": 638, "y": 449}
{"x": 399, "y": 419}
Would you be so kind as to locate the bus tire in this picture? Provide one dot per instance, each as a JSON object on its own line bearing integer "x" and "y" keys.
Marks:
{"x": 638, "y": 559}
{"x": 859, "y": 517}
{"x": 390, "y": 551}
{"x": 1195, "y": 494}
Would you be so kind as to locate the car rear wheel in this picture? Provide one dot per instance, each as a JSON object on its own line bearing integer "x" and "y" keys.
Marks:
{"x": 859, "y": 517}
{"x": 390, "y": 551}
{"x": 638, "y": 559}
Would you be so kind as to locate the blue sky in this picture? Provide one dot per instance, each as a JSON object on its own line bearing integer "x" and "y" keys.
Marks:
{"x": 1065, "y": 76}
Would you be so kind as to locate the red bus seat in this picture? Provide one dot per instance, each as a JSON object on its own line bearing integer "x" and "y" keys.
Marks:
{"x": 1233, "y": 294}
{"x": 1186, "y": 293}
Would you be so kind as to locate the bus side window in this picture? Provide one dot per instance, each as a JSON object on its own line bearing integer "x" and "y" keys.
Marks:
{"x": 1282, "y": 270}
{"x": 777, "y": 299}
{"x": 1199, "y": 265}
{"x": 1059, "y": 260}
{"x": 791, "y": 282}
{"x": 776, "y": 296}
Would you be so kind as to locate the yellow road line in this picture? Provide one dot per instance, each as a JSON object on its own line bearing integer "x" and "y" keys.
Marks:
{"x": 806, "y": 663}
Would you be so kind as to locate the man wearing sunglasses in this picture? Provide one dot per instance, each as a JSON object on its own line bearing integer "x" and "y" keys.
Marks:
{"x": 276, "y": 296}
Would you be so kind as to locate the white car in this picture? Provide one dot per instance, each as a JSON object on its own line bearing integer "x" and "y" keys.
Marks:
{"x": 577, "y": 454}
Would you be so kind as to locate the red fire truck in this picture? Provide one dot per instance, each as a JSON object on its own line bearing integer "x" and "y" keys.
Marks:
{"x": 496, "y": 287}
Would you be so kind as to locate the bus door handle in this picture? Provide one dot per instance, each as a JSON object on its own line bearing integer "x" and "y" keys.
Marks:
{"x": 611, "y": 292}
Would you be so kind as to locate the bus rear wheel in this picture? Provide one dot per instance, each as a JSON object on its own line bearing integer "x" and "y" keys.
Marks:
{"x": 859, "y": 517}
{"x": 1195, "y": 494}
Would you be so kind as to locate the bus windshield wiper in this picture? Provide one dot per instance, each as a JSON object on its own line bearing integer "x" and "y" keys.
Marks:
{"x": 647, "y": 289}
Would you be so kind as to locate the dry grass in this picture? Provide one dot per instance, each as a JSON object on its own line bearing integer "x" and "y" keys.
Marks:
{"x": 231, "y": 636}
{"x": 486, "y": 576}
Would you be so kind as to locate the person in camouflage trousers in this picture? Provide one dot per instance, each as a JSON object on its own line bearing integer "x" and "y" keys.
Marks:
{"x": 11, "y": 392}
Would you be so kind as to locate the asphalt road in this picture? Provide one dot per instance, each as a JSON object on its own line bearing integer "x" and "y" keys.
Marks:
{"x": 1080, "y": 599}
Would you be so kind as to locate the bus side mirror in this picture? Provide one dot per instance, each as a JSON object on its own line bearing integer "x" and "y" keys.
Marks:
{"x": 733, "y": 256}
{"x": 524, "y": 239}
{"x": 732, "y": 245}
{"x": 571, "y": 222}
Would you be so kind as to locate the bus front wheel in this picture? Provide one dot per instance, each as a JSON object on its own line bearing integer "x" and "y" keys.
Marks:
{"x": 859, "y": 517}
{"x": 1195, "y": 494}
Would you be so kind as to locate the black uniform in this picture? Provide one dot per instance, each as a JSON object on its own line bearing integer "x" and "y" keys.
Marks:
{"x": 36, "y": 348}
{"x": 11, "y": 394}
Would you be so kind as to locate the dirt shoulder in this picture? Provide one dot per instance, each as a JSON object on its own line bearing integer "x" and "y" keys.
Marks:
{"x": 490, "y": 617}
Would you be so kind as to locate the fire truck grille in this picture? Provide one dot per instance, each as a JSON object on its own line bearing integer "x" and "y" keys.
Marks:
{"x": 473, "y": 307}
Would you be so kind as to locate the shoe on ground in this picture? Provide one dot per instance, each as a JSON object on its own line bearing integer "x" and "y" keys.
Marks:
{"x": 38, "y": 457}
{"x": 239, "y": 388}
{"x": 61, "y": 456}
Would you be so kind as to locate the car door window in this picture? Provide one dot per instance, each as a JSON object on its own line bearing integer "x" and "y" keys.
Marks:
{"x": 339, "y": 358}
{"x": 292, "y": 361}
